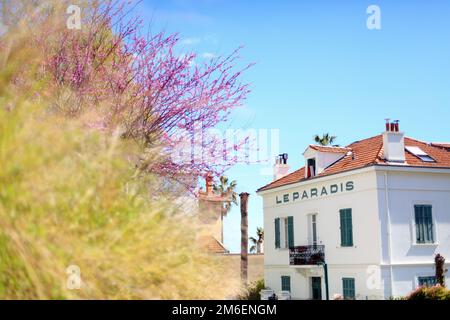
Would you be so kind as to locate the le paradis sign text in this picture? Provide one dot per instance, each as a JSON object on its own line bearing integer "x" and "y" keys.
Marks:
{"x": 315, "y": 192}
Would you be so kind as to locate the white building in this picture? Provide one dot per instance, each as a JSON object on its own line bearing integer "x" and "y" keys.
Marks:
{"x": 376, "y": 212}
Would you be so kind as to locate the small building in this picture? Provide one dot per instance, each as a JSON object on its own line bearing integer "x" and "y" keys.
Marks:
{"x": 375, "y": 212}
{"x": 211, "y": 215}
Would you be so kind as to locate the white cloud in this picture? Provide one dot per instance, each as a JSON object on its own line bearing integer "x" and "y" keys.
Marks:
{"x": 208, "y": 55}
{"x": 211, "y": 39}
{"x": 190, "y": 41}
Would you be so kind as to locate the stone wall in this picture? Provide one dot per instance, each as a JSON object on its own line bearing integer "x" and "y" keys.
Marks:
{"x": 255, "y": 265}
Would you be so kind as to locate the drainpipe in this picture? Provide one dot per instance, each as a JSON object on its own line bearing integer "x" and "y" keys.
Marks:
{"x": 327, "y": 290}
{"x": 388, "y": 217}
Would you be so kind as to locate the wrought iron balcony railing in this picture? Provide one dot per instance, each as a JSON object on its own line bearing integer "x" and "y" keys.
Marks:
{"x": 307, "y": 255}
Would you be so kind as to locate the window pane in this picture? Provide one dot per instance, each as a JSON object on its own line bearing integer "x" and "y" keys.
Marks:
{"x": 348, "y": 285}
{"x": 428, "y": 281}
{"x": 285, "y": 283}
{"x": 314, "y": 229}
{"x": 424, "y": 223}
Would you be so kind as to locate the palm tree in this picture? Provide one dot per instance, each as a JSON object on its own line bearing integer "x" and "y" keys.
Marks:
{"x": 228, "y": 192}
{"x": 325, "y": 140}
{"x": 256, "y": 243}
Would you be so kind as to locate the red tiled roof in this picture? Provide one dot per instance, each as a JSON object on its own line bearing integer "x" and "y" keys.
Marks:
{"x": 329, "y": 149}
{"x": 369, "y": 152}
{"x": 213, "y": 245}
{"x": 445, "y": 145}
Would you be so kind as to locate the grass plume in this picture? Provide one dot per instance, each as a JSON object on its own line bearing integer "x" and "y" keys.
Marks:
{"x": 70, "y": 196}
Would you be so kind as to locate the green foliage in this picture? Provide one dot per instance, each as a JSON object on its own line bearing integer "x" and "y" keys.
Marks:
{"x": 257, "y": 242}
{"x": 253, "y": 291}
{"x": 226, "y": 190}
{"x": 436, "y": 292}
{"x": 325, "y": 140}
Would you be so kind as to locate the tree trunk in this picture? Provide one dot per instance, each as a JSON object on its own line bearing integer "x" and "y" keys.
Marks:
{"x": 244, "y": 237}
{"x": 258, "y": 247}
{"x": 439, "y": 262}
{"x": 221, "y": 226}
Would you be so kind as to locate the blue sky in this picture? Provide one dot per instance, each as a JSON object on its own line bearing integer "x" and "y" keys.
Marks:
{"x": 319, "y": 69}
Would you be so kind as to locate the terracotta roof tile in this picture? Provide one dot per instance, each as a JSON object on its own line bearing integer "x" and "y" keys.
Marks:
{"x": 445, "y": 145}
{"x": 329, "y": 149}
{"x": 370, "y": 152}
{"x": 213, "y": 245}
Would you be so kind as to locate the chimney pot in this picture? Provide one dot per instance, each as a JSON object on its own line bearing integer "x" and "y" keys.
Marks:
{"x": 392, "y": 127}
{"x": 397, "y": 127}
{"x": 209, "y": 183}
{"x": 387, "y": 124}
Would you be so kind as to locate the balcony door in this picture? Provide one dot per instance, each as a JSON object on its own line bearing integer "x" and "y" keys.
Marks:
{"x": 313, "y": 239}
{"x": 316, "y": 288}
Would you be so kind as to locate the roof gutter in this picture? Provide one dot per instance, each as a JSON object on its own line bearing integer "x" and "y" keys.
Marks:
{"x": 312, "y": 179}
{"x": 388, "y": 167}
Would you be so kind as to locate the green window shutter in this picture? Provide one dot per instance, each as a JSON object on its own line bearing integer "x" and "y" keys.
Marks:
{"x": 349, "y": 227}
{"x": 424, "y": 223}
{"x": 348, "y": 288}
{"x": 286, "y": 283}
{"x": 428, "y": 224}
{"x": 290, "y": 222}
{"x": 277, "y": 233}
{"x": 418, "y": 219}
{"x": 346, "y": 227}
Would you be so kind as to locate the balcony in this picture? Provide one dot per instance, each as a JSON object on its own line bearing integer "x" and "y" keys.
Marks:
{"x": 307, "y": 255}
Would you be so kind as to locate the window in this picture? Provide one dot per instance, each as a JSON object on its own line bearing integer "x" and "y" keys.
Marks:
{"x": 346, "y": 228}
{"x": 348, "y": 288}
{"x": 286, "y": 283}
{"x": 419, "y": 153}
{"x": 428, "y": 281}
{"x": 311, "y": 169}
{"x": 314, "y": 229}
{"x": 284, "y": 232}
{"x": 316, "y": 288}
{"x": 424, "y": 223}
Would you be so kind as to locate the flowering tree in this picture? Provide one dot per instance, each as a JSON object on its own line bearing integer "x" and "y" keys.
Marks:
{"x": 155, "y": 94}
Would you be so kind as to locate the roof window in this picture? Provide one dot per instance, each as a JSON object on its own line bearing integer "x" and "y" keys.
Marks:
{"x": 419, "y": 153}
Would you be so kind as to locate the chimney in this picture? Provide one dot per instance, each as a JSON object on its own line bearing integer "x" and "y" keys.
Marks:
{"x": 209, "y": 183}
{"x": 393, "y": 142}
{"x": 281, "y": 168}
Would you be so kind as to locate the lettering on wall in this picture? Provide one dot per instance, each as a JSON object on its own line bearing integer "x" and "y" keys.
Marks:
{"x": 314, "y": 193}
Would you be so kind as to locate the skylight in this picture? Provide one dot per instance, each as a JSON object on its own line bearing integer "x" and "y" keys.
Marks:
{"x": 419, "y": 153}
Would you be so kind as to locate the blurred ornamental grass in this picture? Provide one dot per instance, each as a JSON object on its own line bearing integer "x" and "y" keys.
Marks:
{"x": 69, "y": 196}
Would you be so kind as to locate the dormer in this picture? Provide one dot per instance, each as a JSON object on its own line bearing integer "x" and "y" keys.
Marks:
{"x": 318, "y": 158}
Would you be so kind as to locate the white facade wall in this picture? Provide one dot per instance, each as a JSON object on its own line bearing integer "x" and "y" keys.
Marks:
{"x": 407, "y": 188}
{"x": 375, "y": 257}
